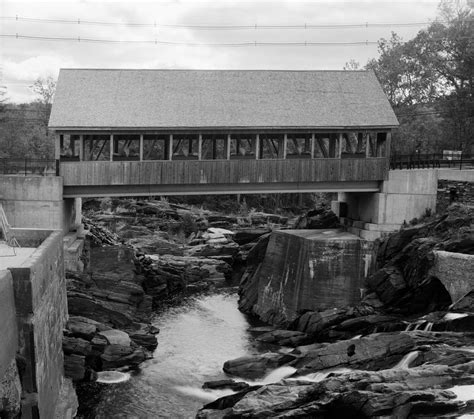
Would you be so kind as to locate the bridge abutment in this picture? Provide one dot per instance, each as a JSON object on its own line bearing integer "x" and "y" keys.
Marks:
{"x": 405, "y": 195}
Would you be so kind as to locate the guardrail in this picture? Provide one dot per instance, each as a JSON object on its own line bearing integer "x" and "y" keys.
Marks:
{"x": 434, "y": 160}
{"x": 25, "y": 167}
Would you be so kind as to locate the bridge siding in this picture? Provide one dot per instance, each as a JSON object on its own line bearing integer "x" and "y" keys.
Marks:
{"x": 222, "y": 171}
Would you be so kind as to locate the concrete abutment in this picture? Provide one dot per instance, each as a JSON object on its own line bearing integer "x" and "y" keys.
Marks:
{"x": 405, "y": 195}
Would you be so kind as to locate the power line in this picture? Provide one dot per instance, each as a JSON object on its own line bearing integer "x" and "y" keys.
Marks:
{"x": 191, "y": 44}
{"x": 80, "y": 39}
{"x": 255, "y": 26}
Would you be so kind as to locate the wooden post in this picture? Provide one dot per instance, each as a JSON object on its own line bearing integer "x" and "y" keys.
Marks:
{"x": 313, "y": 140}
{"x": 214, "y": 150}
{"x": 227, "y": 156}
{"x": 141, "y": 147}
{"x": 81, "y": 147}
{"x": 388, "y": 143}
{"x": 111, "y": 157}
{"x": 200, "y": 147}
{"x": 257, "y": 146}
{"x": 339, "y": 150}
{"x": 170, "y": 148}
{"x": 57, "y": 148}
{"x": 285, "y": 141}
{"x": 367, "y": 145}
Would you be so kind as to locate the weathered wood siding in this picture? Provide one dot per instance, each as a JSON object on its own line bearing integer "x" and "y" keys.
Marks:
{"x": 185, "y": 172}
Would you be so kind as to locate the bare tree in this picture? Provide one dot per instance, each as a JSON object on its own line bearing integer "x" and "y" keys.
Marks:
{"x": 45, "y": 89}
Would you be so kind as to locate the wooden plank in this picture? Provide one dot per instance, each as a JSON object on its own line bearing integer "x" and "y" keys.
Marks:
{"x": 223, "y": 171}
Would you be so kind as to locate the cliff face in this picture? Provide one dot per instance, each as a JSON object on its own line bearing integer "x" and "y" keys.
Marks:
{"x": 306, "y": 270}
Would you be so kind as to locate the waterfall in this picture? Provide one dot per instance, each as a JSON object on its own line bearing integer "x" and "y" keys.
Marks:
{"x": 406, "y": 360}
{"x": 428, "y": 327}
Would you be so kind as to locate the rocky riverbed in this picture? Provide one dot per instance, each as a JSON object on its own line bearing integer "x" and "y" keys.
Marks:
{"x": 406, "y": 351}
{"x": 140, "y": 257}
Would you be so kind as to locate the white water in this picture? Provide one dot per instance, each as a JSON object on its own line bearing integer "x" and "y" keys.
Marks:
{"x": 428, "y": 327}
{"x": 463, "y": 393}
{"x": 454, "y": 316}
{"x": 112, "y": 377}
{"x": 406, "y": 360}
{"x": 316, "y": 377}
{"x": 194, "y": 342}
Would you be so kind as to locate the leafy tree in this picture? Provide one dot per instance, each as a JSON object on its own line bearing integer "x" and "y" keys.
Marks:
{"x": 429, "y": 82}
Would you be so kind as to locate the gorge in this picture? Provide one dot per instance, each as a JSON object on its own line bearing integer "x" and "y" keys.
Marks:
{"x": 366, "y": 340}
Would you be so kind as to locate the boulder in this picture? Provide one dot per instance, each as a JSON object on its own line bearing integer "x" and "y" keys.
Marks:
{"x": 284, "y": 337}
{"x": 257, "y": 366}
{"x": 376, "y": 351}
{"x": 116, "y": 337}
{"x": 223, "y": 384}
{"x": 319, "y": 218}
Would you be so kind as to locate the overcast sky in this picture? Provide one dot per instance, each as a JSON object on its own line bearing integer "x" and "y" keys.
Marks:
{"x": 23, "y": 60}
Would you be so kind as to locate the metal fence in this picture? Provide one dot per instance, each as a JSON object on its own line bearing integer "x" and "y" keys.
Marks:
{"x": 38, "y": 167}
{"x": 434, "y": 160}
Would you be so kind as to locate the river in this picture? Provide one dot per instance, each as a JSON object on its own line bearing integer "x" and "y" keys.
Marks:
{"x": 195, "y": 340}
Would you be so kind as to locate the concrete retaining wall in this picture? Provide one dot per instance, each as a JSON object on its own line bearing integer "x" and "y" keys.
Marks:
{"x": 466, "y": 175}
{"x": 41, "y": 311}
{"x": 8, "y": 329}
{"x": 36, "y": 202}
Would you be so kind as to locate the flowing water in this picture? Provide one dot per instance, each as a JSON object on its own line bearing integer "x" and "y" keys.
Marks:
{"x": 194, "y": 342}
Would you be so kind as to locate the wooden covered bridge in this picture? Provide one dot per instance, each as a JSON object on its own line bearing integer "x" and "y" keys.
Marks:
{"x": 163, "y": 132}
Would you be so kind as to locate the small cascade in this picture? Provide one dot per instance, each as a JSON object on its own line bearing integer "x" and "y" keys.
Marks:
{"x": 316, "y": 377}
{"x": 428, "y": 326}
{"x": 201, "y": 394}
{"x": 275, "y": 376}
{"x": 406, "y": 361}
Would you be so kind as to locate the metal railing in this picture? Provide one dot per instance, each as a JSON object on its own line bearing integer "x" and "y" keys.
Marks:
{"x": 432, "y": 160}
{"x": 25, "y": 167}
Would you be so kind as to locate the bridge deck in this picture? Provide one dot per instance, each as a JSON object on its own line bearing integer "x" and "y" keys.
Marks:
{"x": 121, "y": 178}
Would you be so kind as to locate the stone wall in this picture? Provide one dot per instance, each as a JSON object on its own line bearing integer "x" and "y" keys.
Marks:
{"x": 310, "y": 270}
{"x": 10, "y": 388}
{"x": 464, "y": 193}
{"x": 41, "y": 311}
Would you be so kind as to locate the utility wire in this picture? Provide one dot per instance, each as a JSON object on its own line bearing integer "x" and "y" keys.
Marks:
{"x": 192, "y": 44}
{"x": 255, "y": 26}
{"x": 198, "y": 44}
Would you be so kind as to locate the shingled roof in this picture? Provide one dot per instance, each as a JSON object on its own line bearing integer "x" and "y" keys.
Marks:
{"x": 180, "y": 99}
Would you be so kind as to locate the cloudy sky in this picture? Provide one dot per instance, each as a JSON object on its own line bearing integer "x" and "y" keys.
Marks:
{"x": 180, "y": 22}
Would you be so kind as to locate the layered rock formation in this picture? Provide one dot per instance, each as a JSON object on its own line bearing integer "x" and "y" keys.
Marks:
{"x": 398, "y": 353}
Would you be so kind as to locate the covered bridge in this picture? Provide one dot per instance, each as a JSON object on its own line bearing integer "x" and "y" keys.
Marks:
{"x": 145, "y": 132}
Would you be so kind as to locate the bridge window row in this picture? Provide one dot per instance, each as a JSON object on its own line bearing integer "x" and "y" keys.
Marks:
{"x": 128, "y": 147}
